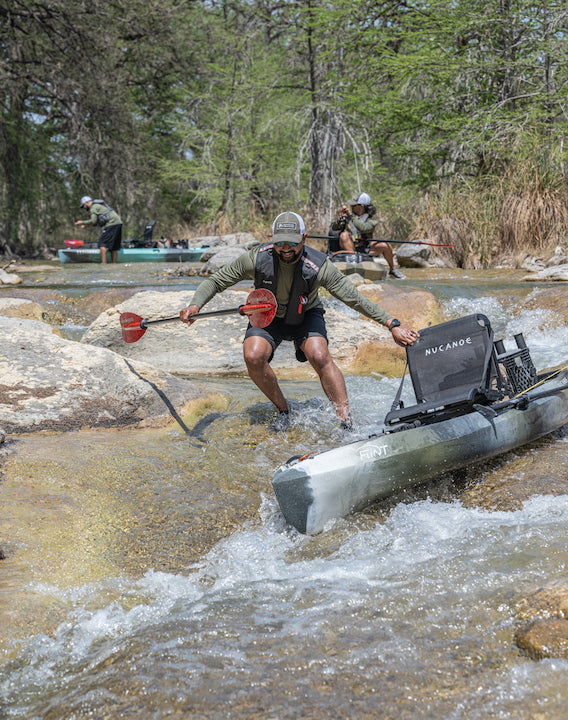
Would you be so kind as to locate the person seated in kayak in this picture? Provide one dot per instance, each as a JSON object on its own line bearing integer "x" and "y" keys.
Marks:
{"x": 294, "y": 272}
{"x": 356, "y": 227}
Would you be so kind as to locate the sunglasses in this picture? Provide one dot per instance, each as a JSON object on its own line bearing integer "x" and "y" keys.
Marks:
{"x": 281, "y": 243}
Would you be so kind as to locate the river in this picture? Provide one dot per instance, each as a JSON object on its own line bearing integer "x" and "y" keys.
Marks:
{"x": 149, "y": 573}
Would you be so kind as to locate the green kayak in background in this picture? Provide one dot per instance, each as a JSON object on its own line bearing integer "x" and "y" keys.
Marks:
{"x": 130, "y": 255}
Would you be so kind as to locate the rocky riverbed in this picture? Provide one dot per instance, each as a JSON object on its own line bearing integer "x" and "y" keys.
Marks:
{"x": 50, "y": 383}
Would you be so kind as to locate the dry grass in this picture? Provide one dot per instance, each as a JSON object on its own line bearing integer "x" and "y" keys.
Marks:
{"x": 535, "y": 220}
{"x": 490, "y": 222}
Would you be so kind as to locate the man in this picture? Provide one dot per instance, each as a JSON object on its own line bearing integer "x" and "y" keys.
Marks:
{"x": 356, "y": 228}
{"x": 294, "y": 272}
{"x": 102, "y": 215}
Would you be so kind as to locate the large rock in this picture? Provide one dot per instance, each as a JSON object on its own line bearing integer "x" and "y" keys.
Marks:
{"x": 413, "y": 255}
{"x": 214, "y": 346}
{"x": 20, "y": 307}
{"x": 215, "y": 260}
{"x": 412, "y": 306}
{"x": 554, "y": 273}
{"x": 51, "y": 383}
{"x": 9, "y": 278}
{"x": 239, "y": 238}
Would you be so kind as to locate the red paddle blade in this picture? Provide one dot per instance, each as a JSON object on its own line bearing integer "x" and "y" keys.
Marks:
{"x": 74, "y": 243}
{"x": 260, "y": 308}
{"x": 131, "y": 330}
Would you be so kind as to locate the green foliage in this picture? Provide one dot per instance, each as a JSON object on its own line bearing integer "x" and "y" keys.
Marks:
{"x": 219, "y": 114}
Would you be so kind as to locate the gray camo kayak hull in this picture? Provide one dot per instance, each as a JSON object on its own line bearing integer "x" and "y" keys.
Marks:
{"x": 336, "y": 483}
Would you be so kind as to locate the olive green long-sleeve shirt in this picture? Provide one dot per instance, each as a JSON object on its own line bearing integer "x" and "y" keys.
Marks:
{"x": 329, "y": 277}
{"x": 357, "y": 224}
{"x": 97, "y": 209}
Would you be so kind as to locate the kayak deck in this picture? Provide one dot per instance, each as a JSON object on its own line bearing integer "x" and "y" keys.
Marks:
{"x": 473, "y": 402}
{"x": 129, "y": 255}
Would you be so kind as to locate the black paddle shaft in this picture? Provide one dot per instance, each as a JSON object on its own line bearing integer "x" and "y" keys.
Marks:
{"x": 144, "y": 323}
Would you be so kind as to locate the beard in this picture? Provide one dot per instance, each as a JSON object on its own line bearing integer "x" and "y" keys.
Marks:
{"x": 293, "y": 258}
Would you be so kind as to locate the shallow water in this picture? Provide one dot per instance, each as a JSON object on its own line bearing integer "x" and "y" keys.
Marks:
{"x": 150, "y": 574}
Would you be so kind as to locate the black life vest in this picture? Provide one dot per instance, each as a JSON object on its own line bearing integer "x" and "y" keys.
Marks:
{"x": 305, "y": 274}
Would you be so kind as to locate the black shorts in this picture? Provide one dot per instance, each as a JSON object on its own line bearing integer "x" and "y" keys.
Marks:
{"x": 313, "y": 325}
{"x": 111, "y": 237}
{"x": 362, "y": 246}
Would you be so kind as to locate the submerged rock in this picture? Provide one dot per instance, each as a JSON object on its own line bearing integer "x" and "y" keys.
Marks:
{"x": 544, "y": 618}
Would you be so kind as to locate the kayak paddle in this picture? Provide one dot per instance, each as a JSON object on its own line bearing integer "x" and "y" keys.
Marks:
{"x": 260, "y": 308}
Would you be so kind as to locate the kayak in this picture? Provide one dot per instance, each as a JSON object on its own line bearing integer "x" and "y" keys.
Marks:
{"x": 364, "y": 265}
{"x": 497, "y": 403}
{"x": 130, "y": 255}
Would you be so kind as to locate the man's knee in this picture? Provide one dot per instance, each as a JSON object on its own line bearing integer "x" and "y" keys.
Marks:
{"x": 345, "y": 241}
{"x": 257, "y": 352}
{"x": 317, "y": 354}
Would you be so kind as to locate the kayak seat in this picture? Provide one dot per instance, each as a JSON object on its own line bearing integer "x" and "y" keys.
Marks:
{"x": 452, "y": 366}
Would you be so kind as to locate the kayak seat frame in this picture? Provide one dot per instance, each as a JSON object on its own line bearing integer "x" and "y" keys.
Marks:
{"x": 453, "y": 368}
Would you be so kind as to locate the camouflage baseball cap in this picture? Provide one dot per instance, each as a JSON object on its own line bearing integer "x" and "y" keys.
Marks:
{"x": 288, "y": 227}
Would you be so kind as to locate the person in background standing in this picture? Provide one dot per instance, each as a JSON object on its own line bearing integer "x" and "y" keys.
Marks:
{"x": 102, "y": 215}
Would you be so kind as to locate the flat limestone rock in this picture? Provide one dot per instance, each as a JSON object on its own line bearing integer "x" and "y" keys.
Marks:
{"x": 213, "y": 346}
{"x": 47, "y": 382}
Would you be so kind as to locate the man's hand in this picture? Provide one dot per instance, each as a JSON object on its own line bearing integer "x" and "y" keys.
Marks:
{"x": 186, "y": 313}
{"x": 80, "y": 222}
{"x": 403, "y": 336}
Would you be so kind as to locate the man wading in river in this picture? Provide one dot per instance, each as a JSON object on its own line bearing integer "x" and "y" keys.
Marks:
{"x": 294, "y": 272}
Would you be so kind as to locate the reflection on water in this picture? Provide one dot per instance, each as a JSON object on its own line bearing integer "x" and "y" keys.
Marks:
{"x": 149, "y": 573}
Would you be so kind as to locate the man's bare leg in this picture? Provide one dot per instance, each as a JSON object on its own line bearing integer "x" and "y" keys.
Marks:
{"x": 257, "y": 351}
{"x": 103, "y": 255}
{"x": 382, "y": 248}
{"x": 346, "y": 242}
{"x": 331, "y": 377}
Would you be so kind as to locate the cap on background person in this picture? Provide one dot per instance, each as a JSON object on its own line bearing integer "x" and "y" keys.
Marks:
{"x": 85, "y": 199}
{"x": 288, "y": 227}
{"x": 362, "y": 199}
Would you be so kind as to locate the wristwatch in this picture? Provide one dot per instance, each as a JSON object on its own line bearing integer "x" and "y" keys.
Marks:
{"x": 394, "y": 323}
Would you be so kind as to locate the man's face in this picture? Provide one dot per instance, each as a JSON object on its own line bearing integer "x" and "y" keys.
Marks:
{"x": 288, "y": 252}
{"x": 358, "y": 209}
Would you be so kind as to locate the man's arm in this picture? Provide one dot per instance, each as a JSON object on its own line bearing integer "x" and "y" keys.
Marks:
{"x": 240, "y": 269}
{"x": 364, "y": 225}
{"x": 343, "y": 289}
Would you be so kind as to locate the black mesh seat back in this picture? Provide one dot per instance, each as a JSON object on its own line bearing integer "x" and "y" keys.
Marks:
{"x": 149, "y": 231}
{"x": 451, "y": 359}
